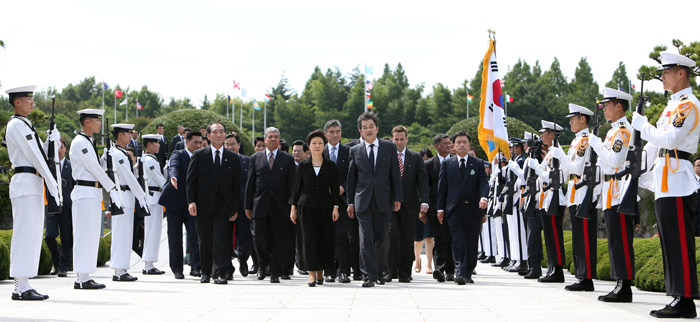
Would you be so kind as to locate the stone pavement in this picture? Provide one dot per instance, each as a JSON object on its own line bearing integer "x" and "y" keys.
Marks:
{"x": 495, "y": 296}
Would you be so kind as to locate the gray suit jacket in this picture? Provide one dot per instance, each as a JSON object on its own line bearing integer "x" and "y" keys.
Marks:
{"x": 383, "y": 183}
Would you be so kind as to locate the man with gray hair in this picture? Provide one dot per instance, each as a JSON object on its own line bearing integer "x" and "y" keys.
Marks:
{"x": 270, "y": 179}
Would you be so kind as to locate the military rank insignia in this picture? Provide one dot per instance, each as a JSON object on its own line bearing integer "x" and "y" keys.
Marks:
{"x": 152, "y": 167}
{"x": 617, "y": 146}
{"x": 121, "y": 161}
{"x": 678, "y": 121}
{"x": 684, "y": 97}
{"x": 29, "y": 137}
{"x": 85, "y": 151}
{"x": 581, "y": 150}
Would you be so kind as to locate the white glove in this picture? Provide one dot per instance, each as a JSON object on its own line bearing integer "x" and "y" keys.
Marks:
{"x": 54, "y": 193}
{"x": 532, "y": 163}
{"x": 593, "y": 140}
{"x": 512, "y": 165}
{"x": 558, "y": 153}
{"x": 53, "y": 135}
{"x": 638, "y": 120}
{"x": 144, "y": 203}
{"x": 114, "y": 196}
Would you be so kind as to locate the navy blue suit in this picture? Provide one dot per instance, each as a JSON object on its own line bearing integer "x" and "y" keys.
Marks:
{"x": 63, "y": 222}
{"x": 244, "y": 237}
{"x": 175, "y": 202}
{"x": 342, "y": 236}
{"x": 459, "y": 197}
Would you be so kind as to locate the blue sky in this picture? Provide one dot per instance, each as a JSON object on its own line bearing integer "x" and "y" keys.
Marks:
{"x": 193, "y": 48}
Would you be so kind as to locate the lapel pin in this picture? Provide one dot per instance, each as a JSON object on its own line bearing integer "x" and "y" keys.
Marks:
{"x": 471, "y": 173}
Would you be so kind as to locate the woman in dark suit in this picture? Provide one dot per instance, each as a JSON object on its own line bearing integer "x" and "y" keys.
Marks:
{"x": 315, "y": 198}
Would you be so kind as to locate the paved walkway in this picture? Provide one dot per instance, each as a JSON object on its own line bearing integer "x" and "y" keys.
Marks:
{"x": 495, "y": 296}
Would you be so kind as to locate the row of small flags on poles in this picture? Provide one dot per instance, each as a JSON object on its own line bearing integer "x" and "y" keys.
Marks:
{"x": 119, "y": 94}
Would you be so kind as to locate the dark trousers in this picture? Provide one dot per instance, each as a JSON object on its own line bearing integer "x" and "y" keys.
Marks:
{"x": 354, "y": 236}
{"x": 176, "y": 219}
{"x": 534, "y": 242}
{"x": 401, "y": 232}
{"x": 342, "y": 245}
{"x": 315, "y": 238}
{"x": 62, "y": 223}
{"x": 465, "y": 226}
{"x": 554, "y": 239}
{"x": 620, "y": 229}
{"x": 214, "y": 233}
{"x": 442, "y": 250}
{"x": 374, "y": 241}
{"x": 244, "y": 238}
{"x": 271, "y": 236}
{"x": 584, "y": 242}
{"x": 674, "y": 216}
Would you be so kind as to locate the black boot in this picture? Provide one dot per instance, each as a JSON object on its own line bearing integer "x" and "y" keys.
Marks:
{"x": 680, "y": 307}
{"x": 502, "y": 263}
{"x": 489, "y": 259}
{"x": 482, "y": 255}
{"x": 622, "y": 293}
{"x": 585, "y": 285}
{"x": 556, "y": 276}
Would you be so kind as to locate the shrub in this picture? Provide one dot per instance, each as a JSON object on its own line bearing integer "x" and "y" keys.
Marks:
{"x": 4, "y": 260}
{"x": 194, "y": 119}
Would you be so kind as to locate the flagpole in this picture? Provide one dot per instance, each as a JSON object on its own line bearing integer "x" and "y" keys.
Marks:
{"x": 252, "y": 110}
{"x": 364, "y": 93}
{"x": 227, "y": 99}
{"x": 126, "y": 107}
{"x": 103, "y": 110}
{"x": 467, "y": 103}
{"x": 265, "y": 114}
{"x": 115, "y": 108}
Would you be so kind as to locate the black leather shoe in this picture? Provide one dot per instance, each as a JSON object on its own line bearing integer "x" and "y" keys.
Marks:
{"x": 179, "y": 275}
{"x": 343, "y": 278}
{"x": 274, "y": 279}
{"x": 381, "y": 281}
{"x": 253, "y": 269}
{"x": 450, "y": 277}
{"x": 519, "y": 268}
{"x": 469, "y": 280}
{"x": 482, "y": 256}
{"x": 489, "y": 259}
{"x": 368, "y": 284}
{"x": 124, "y": 278}
{"x": 286, "y": 276}
{"x": 221, "y": 280}
{"x": 196, "y": 272}
{"x": 62, "y": 274}
{"x": 557, "y": 276}
{"x": 584, "y": 285}
{"x": 532, "y": 275}
{"x": 504, "y": 262}
{"x": 153, "y": 271}
{"x": 229, "y": 277}
{"x": 357, "y": 277}
{"x": 89, "y": 285}
{"x": 319, "y": 281}
{"x": 679, "y": 308}
{"x": 622, "y": 293}
{"x": 29, "y": 295}
{"x": 312, "y": 284}
{"x": 405, "y": 279}
{"x": 261, "y": 275}
{"x": 439, "y": 276}
{"x": 54, "y": 272}
{"x": 385, "y": 278}
{"x": 205, "y": 279}
{"x": 460, "y": 280}
{"x": 243, "y": 267}
{"x": 329, "y": 279}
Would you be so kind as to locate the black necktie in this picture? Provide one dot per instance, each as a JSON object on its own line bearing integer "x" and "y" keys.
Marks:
{"x": 462, "y": 167}
{"x": 217, "y": 160}
{"x": 371, "y": 156}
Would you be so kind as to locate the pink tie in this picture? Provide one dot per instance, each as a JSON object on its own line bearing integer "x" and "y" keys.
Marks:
{"x": 401, "y": 163}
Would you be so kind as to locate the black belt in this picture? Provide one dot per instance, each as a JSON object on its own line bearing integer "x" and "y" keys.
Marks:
{"x": 573, "y": 176}
{"x": 26, "y": 170}
{"x": 674, "y": 154}
{"x": 609, "y": 177}
{"x": 155, "y": 189}
{"x": 124, "y": 188}
{"x": 93, "y": 184}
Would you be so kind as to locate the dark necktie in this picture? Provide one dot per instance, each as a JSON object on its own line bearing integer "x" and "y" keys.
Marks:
{"x": 334, "y": 158}
{"x": 217, "y": 160}
{"x": 271, "y": 161}
{"x": 462, "y": 167}
{"x": 371, "y": 156}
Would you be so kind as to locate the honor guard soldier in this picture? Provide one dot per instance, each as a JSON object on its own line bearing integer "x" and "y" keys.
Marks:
{"x": 123, "y": 225}
{"x": 28, "y": 157}
{"x": 516, "y": 223}
{"x": 612, "y": 154}
{"x": 534, "y": 147}
{"x": 670, "y": 144}
{"x": 552, "y": 212}
{"x": 583, "y": 230}
{"x": 155, "y": 182}
{"x": 90, "y": 178}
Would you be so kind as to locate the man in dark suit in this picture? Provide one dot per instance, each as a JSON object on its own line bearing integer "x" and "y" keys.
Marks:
{"x": 270, "y": 179}
{"x": 174, "y": 198}
{"x": 374, "y": 181}
{"x": 179, "y": 137}
{"x": 414, "y": 180}
{"x": 163, "y": 151}
{"x": 134, "y": 142}
{"x": 339, "y": 154}
{"x": 63, "y": 221}
{"x": 181, "y": 145}
{"x": 442, "y": 250}
{"x": 462, "y": 191}
{"x": 243, "y": 237}
{"x": 214, "y": 197}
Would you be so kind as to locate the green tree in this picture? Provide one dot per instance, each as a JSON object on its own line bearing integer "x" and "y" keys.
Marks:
{"x": 620, "y": 79}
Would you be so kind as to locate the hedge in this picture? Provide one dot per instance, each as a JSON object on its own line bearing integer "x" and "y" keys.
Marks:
{"x": 194, "y": 119}
{"x": 45, "y": 261}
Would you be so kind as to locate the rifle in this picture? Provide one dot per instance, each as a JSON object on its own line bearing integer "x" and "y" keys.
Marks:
{"x": 53, "y": 162}
{"x": 554, "y": 179}
{"x": 143, "y": 182}
{"x": 510, "y": 186}
{"x": 590, "y": 176}
{"x": 531, "y": 182}
{"x": 113, "y": 208}
{"x": 637, "y": 164}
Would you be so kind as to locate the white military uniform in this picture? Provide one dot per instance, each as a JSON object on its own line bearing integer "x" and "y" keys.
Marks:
{"x": 488, "y": 244}
{"x": 123, "y": 225}
{"x": 612, "y": 156}
{"x": 154, "y": 222}
{"x": 544, "y": 170}
{"x": 516, "y": 223}
{"x": 87, "y": 203}
{"x": 497, "y": 221}
{"x": 27, "y": 195}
